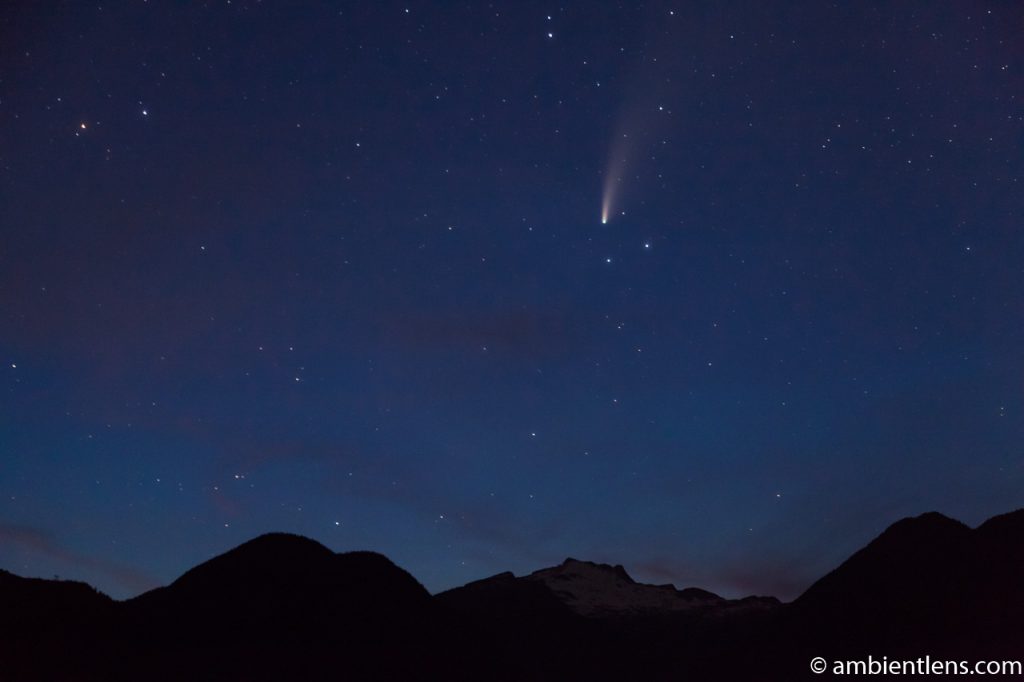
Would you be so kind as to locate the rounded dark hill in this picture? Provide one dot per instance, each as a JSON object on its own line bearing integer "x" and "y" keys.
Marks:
{"x": 285, "y": 587}
{"x": 1000, "y": 547}
{"x": 1007, "y": 527}
{"x": 697, "y": 594}
{"x": 263, "y": 562}
{"x": 291, "y": 572}
{"x": 39, "y": 594}
{"x": 34, "y": 605}
{"x": 999, "y": 590}
{"x": 38, "y": 613}
{"x": 910, "y": 548}
{"x": 276, "y": 606}
{"x": 911, "y": 583}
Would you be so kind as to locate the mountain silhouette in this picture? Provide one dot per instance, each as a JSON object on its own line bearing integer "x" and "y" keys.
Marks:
{"x": 284, "y": 607}
{"x": 48, "y": 625}
{"x": 588, "y": 589}
{"x": 925, "y": 581}
{"x": 289, "y": 574}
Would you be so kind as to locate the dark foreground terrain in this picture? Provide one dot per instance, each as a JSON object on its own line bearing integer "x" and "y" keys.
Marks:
{"x": 283, "y": 607}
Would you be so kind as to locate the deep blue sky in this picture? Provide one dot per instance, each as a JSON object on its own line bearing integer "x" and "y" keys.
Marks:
{"x": 339, "y": 269}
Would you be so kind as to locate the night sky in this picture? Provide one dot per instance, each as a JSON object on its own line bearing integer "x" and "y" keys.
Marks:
{"x": 341, "y": 269}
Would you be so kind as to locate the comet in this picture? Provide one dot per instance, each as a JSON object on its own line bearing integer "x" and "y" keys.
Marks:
{"x": 613, "y": 176}
{"x": 646, "y": 110}
{"x": 607, "y": 196}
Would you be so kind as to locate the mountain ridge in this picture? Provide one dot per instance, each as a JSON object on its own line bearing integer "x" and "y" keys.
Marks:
{"x": 282, "y": 606}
